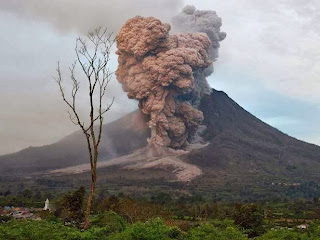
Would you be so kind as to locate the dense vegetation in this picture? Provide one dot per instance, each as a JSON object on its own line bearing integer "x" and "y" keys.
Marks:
{"x": 160, "y": 217}
{"x": 111, "y": 182}
{"x": 154, "y": 229}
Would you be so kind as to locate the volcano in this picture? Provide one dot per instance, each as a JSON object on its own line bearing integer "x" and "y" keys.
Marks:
{"x": 240, "y": 157}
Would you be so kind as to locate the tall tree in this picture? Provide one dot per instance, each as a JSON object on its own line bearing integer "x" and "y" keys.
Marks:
{"x": 93, "y": 58}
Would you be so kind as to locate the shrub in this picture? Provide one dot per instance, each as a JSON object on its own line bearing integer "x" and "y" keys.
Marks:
{"x": 223, "y": 230}
{"x": 111, "y": 221}
{"x": 283, "y": 234}
{"x": 250, "y": 217}
{"x": 43, "y": 230}
{"x": 313, "y": 233}
{"x": 314, "y": 230}
{"x": 4, "y": 219}
{"x": 154, "y": 229}
{"x": 72, "y": 207}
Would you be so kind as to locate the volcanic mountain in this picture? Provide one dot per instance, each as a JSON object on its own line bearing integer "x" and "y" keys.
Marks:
{"x": 241, "y": 157}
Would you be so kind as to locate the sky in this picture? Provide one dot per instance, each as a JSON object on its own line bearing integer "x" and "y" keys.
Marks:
{"x": 269, "y": 63}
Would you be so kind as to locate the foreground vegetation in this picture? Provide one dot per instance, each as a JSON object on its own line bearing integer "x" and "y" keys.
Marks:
{"x": 161, "y": 217}
{"x": 154, "y": 229}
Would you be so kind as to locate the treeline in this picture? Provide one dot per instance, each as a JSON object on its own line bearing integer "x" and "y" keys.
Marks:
{"x": 231, "y": 191}
{"x": 235, "y": 191}
{"x": 24, "y": 198}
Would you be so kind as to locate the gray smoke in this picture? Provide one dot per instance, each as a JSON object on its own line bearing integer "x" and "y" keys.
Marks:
{"x": 84, "y": 15}
{"x": 206, "y": 21}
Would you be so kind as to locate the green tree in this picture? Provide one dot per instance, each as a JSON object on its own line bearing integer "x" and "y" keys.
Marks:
{"x": 223, "y": 230}
{"x": 44, "y": 230}
{"x": 284, "y": 234}
{"x": 112, "y": 221}
{"x": 151, "y": 230}
{"x": 72, "y": 206}
{"x": 27, "y": 193}
{"x": 249, "y": 217}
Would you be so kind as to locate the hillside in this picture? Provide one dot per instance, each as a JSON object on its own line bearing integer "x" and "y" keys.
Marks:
{"x": 248, "y": 156}
{"x": 244, "y": 158}
{"x": 238, "y": 138}
{"x": 119, "y": 137}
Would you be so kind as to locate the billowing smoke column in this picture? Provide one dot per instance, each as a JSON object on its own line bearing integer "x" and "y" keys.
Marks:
{"x": 205, "y": 21}
{"x": 165, "y": 73}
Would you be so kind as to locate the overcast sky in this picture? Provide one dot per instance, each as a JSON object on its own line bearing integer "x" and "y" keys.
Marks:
{"x": 269, "y": 63}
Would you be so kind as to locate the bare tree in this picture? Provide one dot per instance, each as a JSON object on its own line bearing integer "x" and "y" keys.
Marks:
{"x": 93, "y": 59}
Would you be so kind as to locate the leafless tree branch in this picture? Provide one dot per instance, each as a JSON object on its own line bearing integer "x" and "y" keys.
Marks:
{"x": 93, "y": 59}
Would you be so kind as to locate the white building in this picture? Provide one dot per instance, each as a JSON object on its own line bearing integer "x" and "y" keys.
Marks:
{"x": 46, "y": 205}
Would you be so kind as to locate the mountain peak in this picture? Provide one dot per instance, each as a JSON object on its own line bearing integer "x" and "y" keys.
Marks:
{"x": 241, "y": 151}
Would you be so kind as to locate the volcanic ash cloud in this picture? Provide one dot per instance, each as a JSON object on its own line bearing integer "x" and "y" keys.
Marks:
{"x": 158, "y": 70}
{"x": 206, "y": 21}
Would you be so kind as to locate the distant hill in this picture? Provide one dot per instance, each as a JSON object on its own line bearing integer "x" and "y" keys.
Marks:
{"x": 245, "y": 158}
{"x": 119, "y": 137}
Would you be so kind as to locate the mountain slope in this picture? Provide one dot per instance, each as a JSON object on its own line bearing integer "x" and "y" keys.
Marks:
{"x": 236, "y": 135}
{"x": 244, "y": 158}
{"x": 119, "y": 137}
{"x": 246, "y": 155}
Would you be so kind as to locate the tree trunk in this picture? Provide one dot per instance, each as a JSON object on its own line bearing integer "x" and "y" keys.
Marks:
{"x": 90, "y": 198}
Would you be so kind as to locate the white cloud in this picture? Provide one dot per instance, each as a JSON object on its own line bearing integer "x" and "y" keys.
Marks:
{"x": 277, "y": 42}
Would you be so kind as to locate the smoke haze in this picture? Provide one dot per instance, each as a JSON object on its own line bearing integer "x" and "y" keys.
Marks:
{"x": 81, "y": 16}
{"x": 35, "y": 34}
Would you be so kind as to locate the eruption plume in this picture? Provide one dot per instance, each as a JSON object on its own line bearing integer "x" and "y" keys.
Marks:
{"x": 166, "y": 74}
{"x": 205, "y": 21}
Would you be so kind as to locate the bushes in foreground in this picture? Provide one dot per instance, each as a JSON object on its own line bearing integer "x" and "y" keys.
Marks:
{"x": 216, "y": 230}
{"x": 150, "y": 230}
{"x": 313, "y": 233}
{"x": 155, "y": 229}
{"x": 45, "y": 230}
